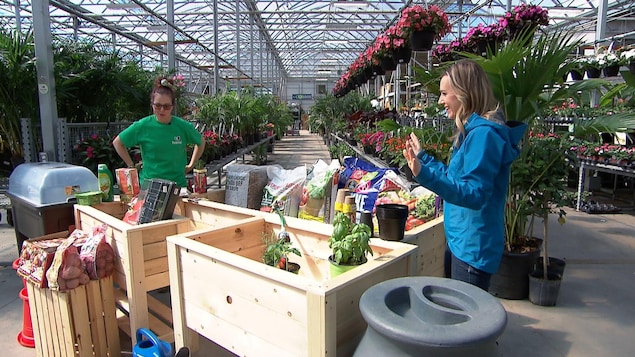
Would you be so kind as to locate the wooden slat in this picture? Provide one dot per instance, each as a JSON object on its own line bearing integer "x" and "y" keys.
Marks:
{"x": 110, "y": 320}
{"x": 160, "y": 309}
{"x": 56, "y": 324}
{"x": 96, "y": 318}
{"x": 77, "y": 307}
{"x": 36, "y": 320}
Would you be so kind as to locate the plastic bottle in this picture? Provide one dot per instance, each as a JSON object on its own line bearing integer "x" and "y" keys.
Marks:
{"x": 106, "y": 182}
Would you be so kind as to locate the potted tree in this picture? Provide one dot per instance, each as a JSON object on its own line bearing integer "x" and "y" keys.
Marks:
{"x": 350, "y": 243}
{"x": 542, "y": 170}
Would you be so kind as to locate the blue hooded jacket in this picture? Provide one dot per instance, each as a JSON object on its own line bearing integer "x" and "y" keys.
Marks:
{"x": 474, "y": 189}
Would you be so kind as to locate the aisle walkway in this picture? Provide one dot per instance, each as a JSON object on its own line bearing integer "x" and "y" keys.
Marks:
{"x": 593, "y": 316}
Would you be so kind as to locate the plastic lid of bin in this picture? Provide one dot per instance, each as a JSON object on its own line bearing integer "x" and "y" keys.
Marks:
{"x": 48, "y": 183}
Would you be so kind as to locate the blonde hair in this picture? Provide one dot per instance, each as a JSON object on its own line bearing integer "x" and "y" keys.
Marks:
{"x": 474, "y": 91}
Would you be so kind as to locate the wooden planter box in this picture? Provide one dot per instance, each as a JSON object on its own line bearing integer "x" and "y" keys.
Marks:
{"x": 78, "y": 322}
{"x": 141, "y": 263}
{"x": 221, "y": 290}
{"x": 430, "y": 241}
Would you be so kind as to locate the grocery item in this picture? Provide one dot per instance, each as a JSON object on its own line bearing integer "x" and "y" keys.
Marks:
{"x": 106, "y": 182}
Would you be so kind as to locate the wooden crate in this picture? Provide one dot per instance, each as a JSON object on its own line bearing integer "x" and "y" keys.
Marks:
{"x": 78, "y": 322}
{"x": 141, "y": 263}
{"x": 221, "y": 290}
{"x": 430, "y": 241}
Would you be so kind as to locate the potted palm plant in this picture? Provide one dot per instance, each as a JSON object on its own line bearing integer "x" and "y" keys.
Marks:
{"x": 527, "y": 80}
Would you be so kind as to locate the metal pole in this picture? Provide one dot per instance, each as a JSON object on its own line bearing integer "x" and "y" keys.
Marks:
{"x": 45, "y": 77}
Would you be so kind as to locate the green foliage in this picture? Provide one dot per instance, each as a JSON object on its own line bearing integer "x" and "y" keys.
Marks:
{"x": 349, "y": 242}
{"x": 528, "y": 81}
{"x": 327, "y": 114}
{"x": 538, "y": 182}
{"x": 97, "y": 150}
{"x": 244, "y": 112}
{"x": 277, "y": 248}
{"x": 18, "y": 87}
{"x": 95, "y": 83}
{"x": 339, "y": 150}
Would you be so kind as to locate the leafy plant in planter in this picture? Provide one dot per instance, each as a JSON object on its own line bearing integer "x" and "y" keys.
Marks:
{"x": 277, "y": 250}
{"x": 349, "y": 241}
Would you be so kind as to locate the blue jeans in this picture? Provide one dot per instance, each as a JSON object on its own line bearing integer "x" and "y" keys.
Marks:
{"x": 459, "y": 270}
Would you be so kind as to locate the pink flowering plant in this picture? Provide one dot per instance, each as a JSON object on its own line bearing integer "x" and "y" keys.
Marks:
{"x": 97, "y": 149}
{"x": 418, "y": 18}
{"x": 492, "y": 32}
{"x": 524, "y": 15}
{"x": 388, "y": 41}
{"x": 449, "y": 52}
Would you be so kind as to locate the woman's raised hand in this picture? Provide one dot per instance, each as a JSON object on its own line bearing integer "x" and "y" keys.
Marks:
{"x": 410, "y": 153}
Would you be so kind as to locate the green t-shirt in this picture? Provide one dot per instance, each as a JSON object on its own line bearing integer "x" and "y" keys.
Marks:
{"x": 163, "y": 147}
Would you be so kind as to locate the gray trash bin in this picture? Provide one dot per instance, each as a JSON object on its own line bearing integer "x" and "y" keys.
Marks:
{"x": 428, "y": 316}
{"x": 42, "y": 196}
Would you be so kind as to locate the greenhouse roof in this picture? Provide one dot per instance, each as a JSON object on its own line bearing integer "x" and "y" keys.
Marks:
{"x": 253, "y": 40}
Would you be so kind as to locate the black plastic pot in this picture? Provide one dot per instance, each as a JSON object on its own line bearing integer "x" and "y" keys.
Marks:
{"x": 391, "y": 219}
{"x": 544, "y": 292}
{"x": 555, "y": 266}
{"x": 511, "y": 281}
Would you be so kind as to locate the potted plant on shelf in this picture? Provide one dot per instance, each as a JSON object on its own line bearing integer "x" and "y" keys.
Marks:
{"x": 350, "y": 244}
{"x": 627, "y": 58}
{"x": 592, "y": 65}
{"x": 422, "y": 25}
{"x": 277, "y": 250}
{"x": 609, "y": 63}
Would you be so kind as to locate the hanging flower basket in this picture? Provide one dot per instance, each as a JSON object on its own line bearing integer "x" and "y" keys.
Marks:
{"x": 576, "y": 75}
{"x": 387, "y": 63}
{"x": 593, "y": 72}
{"x": 422, "y": 40}
{"x": 611, "y": 71}
{"x": 378, "y": 70}
{"x": 418, "y": 21}
{"x": 402, "y": 54}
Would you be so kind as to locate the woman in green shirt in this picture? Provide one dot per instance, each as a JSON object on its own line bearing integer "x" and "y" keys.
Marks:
{"x": 162, "y": 138}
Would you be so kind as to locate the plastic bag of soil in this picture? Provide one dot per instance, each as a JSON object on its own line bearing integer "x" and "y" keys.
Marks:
{"x": 284, "y": 190}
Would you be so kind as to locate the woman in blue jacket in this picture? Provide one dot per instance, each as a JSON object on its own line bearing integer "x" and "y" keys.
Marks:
{"x": 474, "y": 183}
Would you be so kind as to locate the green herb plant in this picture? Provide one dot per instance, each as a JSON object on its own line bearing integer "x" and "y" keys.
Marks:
{"x": 349, "y": 241}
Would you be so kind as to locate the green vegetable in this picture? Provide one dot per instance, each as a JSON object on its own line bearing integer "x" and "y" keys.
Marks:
{"x": 350, "y": 242}
{"x": 425, "y": 207}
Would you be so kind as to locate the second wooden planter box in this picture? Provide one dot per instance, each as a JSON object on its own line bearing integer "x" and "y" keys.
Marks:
{"x": 221, "y": 289}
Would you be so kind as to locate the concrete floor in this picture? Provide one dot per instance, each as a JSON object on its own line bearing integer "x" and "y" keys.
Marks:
{"x": 595, "y": 311}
